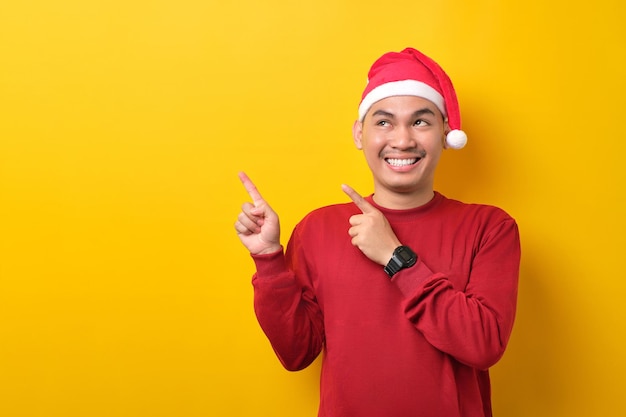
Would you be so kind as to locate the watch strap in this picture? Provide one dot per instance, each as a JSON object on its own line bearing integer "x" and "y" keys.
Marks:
{"x": 392, "y": 267}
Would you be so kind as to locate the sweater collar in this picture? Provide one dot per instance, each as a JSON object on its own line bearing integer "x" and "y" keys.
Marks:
{"x": 392, "y": 214}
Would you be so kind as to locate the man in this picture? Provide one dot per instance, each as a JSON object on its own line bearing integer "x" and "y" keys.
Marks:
{"x": 410, "y": 295}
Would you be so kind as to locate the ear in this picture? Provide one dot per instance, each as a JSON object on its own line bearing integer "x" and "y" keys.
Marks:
{"x": 357, "y": 134}
{"x": 446, "y": 130}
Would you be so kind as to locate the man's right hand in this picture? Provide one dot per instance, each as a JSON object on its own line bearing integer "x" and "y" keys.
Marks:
{"x": 257, "y": 225}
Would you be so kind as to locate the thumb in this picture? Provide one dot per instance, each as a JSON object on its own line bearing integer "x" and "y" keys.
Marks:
{"x": 360, "y": 202}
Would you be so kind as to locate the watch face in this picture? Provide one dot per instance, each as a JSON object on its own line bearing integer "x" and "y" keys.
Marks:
{"x": 406, "y": 255}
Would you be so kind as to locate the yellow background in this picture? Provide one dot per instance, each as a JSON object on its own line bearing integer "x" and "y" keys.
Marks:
{"x": 124, "y": 290}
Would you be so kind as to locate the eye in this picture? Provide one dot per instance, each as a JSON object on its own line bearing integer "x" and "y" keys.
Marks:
{"x": 421, "y": 122}
{"x": 382, "y": 123}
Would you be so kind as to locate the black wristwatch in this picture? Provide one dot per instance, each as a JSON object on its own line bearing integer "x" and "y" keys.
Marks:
{"x": 403, "y": 257}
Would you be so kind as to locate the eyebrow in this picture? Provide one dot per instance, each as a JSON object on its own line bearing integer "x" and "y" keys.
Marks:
{"x": 416, "y": 113}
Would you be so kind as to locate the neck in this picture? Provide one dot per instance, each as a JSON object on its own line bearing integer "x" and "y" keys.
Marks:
{"x": 402, "y": 201}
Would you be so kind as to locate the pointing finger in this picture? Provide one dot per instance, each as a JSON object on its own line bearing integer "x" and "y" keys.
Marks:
{"x": 251, "y": 188}
{"x": 360, "y": 202}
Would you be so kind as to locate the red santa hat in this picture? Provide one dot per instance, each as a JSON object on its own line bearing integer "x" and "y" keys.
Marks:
{"x": 411, "y": 73}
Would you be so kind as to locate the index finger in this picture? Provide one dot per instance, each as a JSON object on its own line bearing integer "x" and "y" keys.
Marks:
{"x": 360, "y": 202}
{"x": 250, "y": 188}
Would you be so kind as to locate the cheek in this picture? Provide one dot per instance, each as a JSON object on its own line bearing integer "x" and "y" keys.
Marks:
{"x": 371, "y": 149}
{"x": 372, "y": 142}
{"x": 435, "y": 143}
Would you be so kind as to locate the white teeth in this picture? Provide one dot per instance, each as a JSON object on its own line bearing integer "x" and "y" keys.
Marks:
{"x": 401, "y": 162}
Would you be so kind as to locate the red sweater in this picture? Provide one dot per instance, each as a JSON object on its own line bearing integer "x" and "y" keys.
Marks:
{"x": 419, "y": 344}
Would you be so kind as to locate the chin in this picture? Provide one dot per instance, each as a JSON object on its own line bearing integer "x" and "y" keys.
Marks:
{"x": 402, "y": 188}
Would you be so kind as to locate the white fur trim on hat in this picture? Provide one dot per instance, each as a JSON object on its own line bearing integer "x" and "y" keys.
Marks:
{"x": 402, "y": 88}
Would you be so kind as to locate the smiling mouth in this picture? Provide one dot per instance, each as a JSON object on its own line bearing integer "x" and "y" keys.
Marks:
{"x": 398, "y": 162}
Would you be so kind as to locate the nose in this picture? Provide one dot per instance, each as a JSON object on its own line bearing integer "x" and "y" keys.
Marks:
{"x": 402, "y": 138}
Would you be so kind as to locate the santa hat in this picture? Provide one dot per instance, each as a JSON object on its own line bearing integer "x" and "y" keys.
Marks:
{"x": 411, "y": 73}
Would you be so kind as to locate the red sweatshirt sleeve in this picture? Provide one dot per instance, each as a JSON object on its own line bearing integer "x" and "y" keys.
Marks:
{"x": 472, "y": 325}
{"x": 287, "y": 312}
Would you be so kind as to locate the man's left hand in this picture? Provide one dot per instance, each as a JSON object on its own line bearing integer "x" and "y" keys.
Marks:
{"x": 370, "y": 231}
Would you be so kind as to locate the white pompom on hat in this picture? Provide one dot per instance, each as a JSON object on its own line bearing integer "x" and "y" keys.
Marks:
{"x": 411, "y": 73}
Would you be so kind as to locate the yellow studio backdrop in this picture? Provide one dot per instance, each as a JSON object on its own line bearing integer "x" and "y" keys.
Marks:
{"x": 123, "y": 288}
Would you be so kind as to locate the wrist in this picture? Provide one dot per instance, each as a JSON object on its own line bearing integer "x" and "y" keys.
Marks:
{"x": 389, "y": 253}
{"x": 270, "y": 250}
